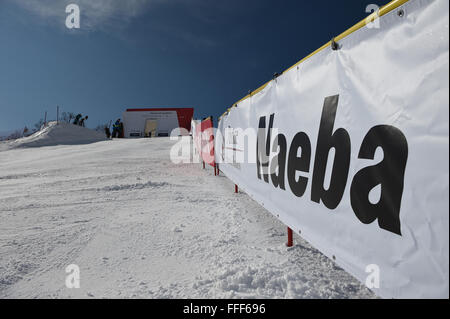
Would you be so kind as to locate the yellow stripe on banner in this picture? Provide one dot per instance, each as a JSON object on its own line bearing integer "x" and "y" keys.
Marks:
{"x": 370, "y": 18}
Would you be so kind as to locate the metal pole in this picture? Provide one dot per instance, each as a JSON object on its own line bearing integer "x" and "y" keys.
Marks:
{"x": 57, "y": 114}
{"x": 290, "y": 241}
{"x": 45, "y": 118}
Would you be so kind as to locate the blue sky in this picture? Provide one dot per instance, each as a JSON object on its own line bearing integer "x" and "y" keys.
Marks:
{"x": 139, "y": 53}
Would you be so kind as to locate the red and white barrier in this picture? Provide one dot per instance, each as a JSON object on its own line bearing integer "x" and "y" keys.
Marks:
{"x": 203, "y": 136}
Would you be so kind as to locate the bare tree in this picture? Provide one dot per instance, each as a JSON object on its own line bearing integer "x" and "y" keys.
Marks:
{"x": 67, "y": 117}
{"x": 38, "y": 125}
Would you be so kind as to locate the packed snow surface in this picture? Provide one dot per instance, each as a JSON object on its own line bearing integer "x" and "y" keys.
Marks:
{"x": 56, "y": 134}
{"x": 140, "y": 226}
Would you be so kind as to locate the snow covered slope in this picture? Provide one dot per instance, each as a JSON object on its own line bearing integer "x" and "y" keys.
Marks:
{"x": 138, "y": 225}
{"x": 56, "y": 134}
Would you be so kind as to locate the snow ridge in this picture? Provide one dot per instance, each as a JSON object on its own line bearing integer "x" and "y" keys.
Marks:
{"x": 56, "y": 134}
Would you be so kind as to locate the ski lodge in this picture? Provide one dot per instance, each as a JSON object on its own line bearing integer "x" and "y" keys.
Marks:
{"x": 153, "y": 122}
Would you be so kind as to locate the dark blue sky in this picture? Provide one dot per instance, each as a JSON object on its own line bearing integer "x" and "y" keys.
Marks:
{"x": 205, "y": 54}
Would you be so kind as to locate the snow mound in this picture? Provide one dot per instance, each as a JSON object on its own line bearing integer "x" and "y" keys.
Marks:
{"x": 57, "y": 134}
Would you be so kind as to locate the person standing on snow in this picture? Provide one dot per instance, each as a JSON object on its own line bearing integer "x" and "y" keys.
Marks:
{"x": 121, "y": 133}
{"x": 77, "y": 119}
{"x": 107, "y": 132}
{"x": 82, "y": 121}
{"x": 116, "y": 128}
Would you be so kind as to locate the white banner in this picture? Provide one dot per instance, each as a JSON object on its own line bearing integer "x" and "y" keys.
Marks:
{"x": 352, "y": 151}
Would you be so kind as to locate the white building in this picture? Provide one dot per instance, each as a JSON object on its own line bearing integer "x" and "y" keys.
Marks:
{"x": 151, "y": 122}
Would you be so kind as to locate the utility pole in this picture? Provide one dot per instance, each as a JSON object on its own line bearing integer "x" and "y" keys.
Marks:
{"x": 57, "y": 114}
